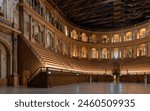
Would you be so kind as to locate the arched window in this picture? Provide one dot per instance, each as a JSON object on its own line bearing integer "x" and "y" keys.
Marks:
{"x": 64, "y": 48}
{"x": 36, "y": 5}
{"x": 83, "y": 52}
{"x": 116, "y": 38}
{"x": 59, "y": 45}
{"x": 37, "y": 33}
{"x": 94, "y": 53}
{"x": 116, "y": 53}
{"x": 74, "y": 35}
{"x": 141, "y": 51}
{"x": 93, "y": 39}
{"x": 104, "y": 53}
{"x": 66, "y": 30}
{"x": 105, "y": 39}
{"x": 142, "y": 32}
{"x": 75, "y": 51}
{"x": 49, "y": 17}
{"x": 84, "y": 38}
{"x": 128, "y": 53}
{"x": 128, "y": 36}
{"x": 49, "y": 40}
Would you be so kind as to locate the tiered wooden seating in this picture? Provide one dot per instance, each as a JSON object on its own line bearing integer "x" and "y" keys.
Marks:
{"x": 57, "y": 60}
{"x": 94, "y": 66}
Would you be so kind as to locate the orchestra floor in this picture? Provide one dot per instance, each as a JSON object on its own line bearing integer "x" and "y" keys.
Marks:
{"x": 83, "y": 88}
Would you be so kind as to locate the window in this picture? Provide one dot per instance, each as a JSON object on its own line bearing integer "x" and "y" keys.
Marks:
{"x": 94, "y": 53}
{"x": 104, "y": 39}
{"x": 104, "y": 53}
{"x": 116, "y": 38}
{"x": 84, "y": 37}
{"x": 84, "y": 52}
{"x": 74, "y": 35}
{"x": 116, "y": 53}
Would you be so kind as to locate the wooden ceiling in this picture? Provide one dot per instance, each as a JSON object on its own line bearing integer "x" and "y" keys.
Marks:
{"x": 104, "y": 14}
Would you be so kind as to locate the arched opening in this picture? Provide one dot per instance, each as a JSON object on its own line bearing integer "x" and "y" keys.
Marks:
{"x": 37, "y": 34}
{"x": 141, "y": 51}
{"x": 66, "y": 30}
{"x": 105, "y": 39}
{"x": 74, "y": 35}
{"x": 84, "y": 37}
{"x": 94, "y": 53}
{"x": 93, "y": 39}
{"x": 116, "y": 53}
{"x": 83, "y": 52}
{"x": 5, "y": 64}
{"x": 128, "y": 53}
{"x": 128, "y": 36}
{"x": 36, "y": 5}
{"x": 75, "y": 51}
{"x": 142, "y": 33}
{"x": 104, "y": 53}
{"x": 59, "y": 45}
{"x": 116, "y": 38}
{"x": 49, "y": 40}
{"x": 64, "y": 48}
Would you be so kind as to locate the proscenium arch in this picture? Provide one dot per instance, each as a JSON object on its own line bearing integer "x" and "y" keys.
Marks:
{"x": 8, "y": 60}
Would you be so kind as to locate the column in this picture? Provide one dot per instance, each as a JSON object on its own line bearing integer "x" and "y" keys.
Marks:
{"x": 148, "y": 49}
{"x": 122, "y": 37}
{"x": 135, "y": 52}
{"x": 89, "y": 53}
{"x": 99, "y": 53}
{"x": 110, "y": 50}
{"x": 70, "y": 47}
{"x": 14, "y": 61}
{"x": 30, "y": 29}
{"x": 44, "y": 36}
{"x": 122, "y": 53}
{"x": 149, "y": 28}
{"x": 79, "y": 52}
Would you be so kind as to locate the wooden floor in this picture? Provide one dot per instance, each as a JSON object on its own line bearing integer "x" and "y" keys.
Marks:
{"x": 83, "y": 88}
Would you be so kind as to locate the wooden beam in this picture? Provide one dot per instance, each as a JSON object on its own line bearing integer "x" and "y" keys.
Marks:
{"x": 71, "y": 3}
{"x": 89, "y": 6}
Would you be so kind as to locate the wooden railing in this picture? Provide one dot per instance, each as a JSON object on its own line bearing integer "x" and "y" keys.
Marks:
{"x": 134, "y": 78}
{"x": 8, "y": 23}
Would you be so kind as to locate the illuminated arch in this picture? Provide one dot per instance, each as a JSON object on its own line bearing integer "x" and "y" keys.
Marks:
{"x": 116, "y": 38}
{"x": 128, "y": 36}
{"x": 105, "y": 53}
{"x": 83, "y": 52}
{"x": 37, "y": 33}
{"x": 105, "y": 39}
{"x": 74, "y": 35}
{"x": 141, "y": 51}
{"x": 84, "y": 37}
{"x": 93, "y": 38}
{"x": 94, "y": 53}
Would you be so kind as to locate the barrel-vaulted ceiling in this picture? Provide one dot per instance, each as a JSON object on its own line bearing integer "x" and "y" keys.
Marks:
{"x": 104, "y": 14}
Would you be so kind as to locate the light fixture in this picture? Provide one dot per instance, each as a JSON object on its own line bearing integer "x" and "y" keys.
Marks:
{"x": 49, "y": 72}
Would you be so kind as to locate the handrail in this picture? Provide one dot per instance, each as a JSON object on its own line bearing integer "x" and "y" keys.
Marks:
{"x": 132, "y": 77}
{"x": 5, "y": 21}
{"x": 100, "y": 77}
{"x": 34, "y": 74}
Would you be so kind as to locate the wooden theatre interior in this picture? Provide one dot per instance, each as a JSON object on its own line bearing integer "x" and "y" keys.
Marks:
{"x": 46, "y": 43}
